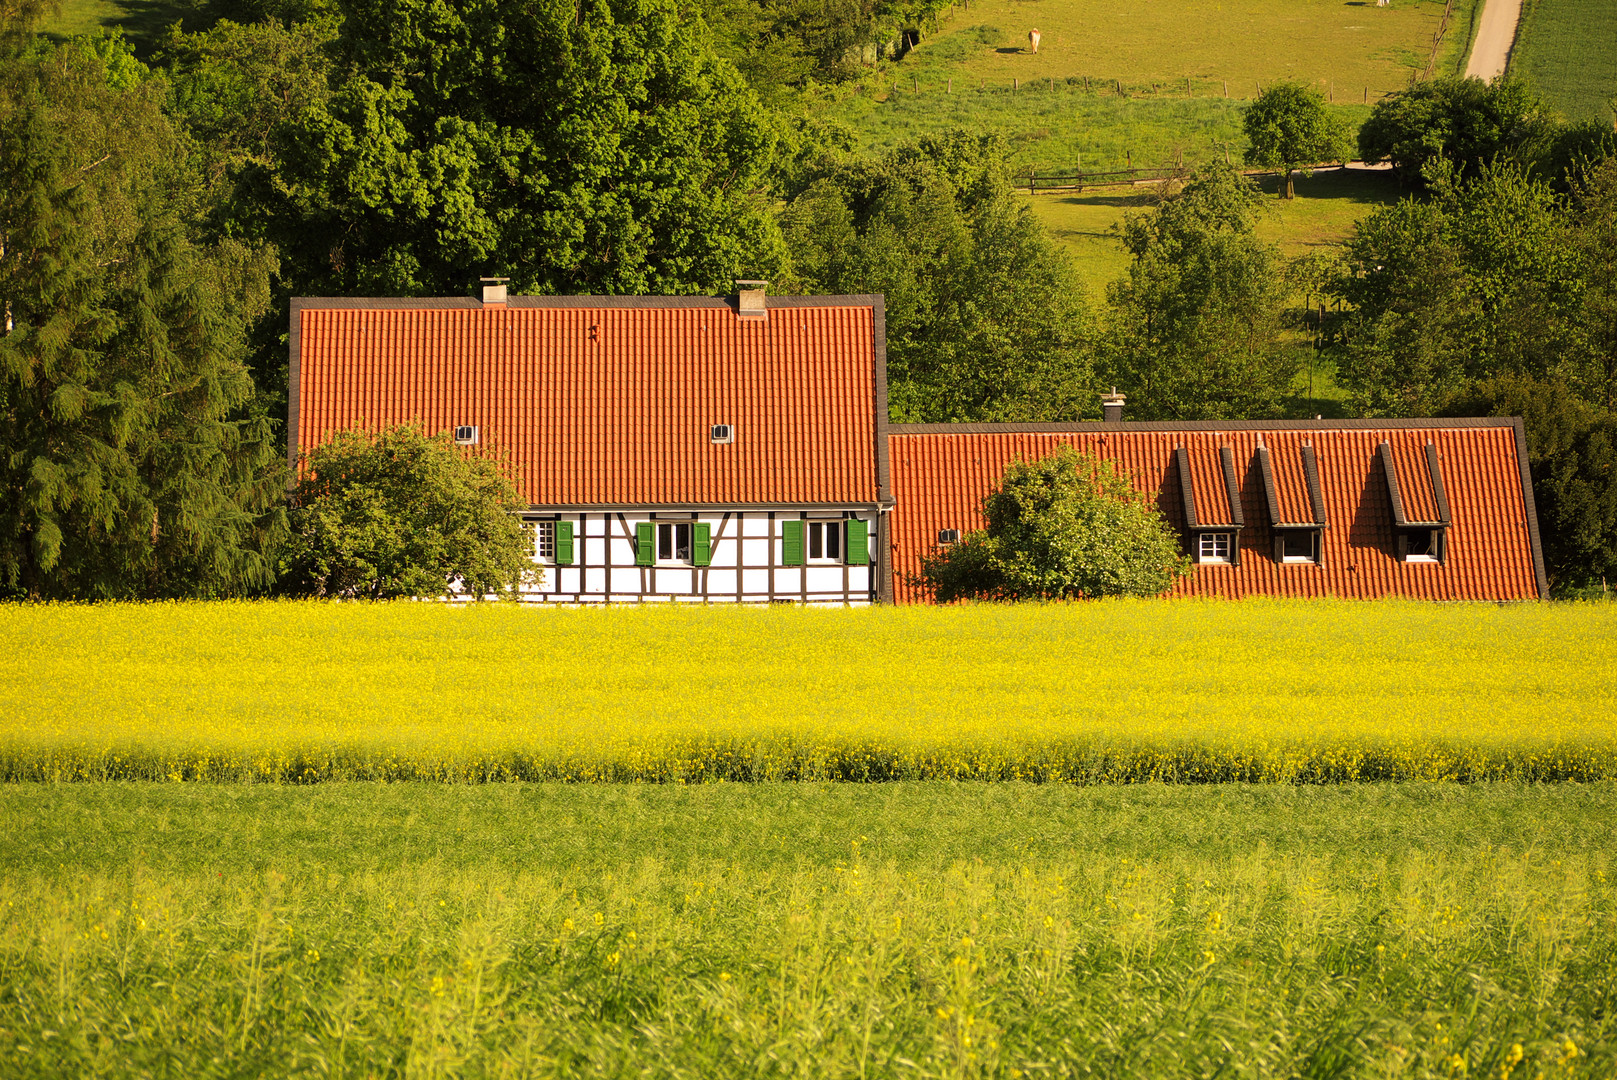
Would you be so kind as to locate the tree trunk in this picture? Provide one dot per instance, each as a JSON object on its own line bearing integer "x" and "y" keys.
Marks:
{"x": 1289, "y": 191}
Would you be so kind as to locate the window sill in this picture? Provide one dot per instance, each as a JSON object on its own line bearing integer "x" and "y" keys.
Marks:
{"x": 1420, "y": 558}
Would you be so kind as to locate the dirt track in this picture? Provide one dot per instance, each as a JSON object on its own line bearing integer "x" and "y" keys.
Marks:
{"x": 1495, "y": 38}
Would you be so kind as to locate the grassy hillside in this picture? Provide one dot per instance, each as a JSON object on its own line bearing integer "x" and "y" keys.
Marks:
{"x": 1342, "y": 48}
{"x": 1091, "y": 693}
{"x": 902, "y": 930}
{"x": 1568, "y": 50}
{"x": 1321, "y": 216}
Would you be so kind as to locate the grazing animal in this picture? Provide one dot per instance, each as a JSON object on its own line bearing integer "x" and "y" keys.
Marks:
{"x": 1033, "y": 41}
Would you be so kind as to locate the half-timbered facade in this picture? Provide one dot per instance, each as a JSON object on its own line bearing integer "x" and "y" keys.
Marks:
{"x": 670, "y": 448}
{"x": 702, "y": 449}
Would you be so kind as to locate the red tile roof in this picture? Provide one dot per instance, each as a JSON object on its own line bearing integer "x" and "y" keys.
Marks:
{"x": 941, "y": 474}
{"x": 609, "y": 400}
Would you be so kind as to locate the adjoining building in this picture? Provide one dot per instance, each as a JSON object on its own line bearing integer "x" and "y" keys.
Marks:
{"x": 737, "y": 449}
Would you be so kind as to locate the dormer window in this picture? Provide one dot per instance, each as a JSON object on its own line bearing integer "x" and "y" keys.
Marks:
{"x": 948, "y": 536}
{"x": 722, "y": 433}
{"x": 1214, "y": 547}
{"x": 1421, "y": 545}
{"x": 465, "y": 435}
{"x": 1299, "y": 545}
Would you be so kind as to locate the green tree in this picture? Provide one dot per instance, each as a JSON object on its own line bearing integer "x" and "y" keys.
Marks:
{"x": 1290, "y": 127}
{"x": 1572, "y": 455}
{"x": 1067, "y": 527}
{"x": 986, "y": 317}
{"x": 591, "y": 146}
{"x": 1194, "y": 329}
{"x": 1480, "y": 280}
{"x": 396, "y": 513}
{"x": 130, "y": 462}
{"x": 1593, "y": 354}
{"x": 1467, "y": 122}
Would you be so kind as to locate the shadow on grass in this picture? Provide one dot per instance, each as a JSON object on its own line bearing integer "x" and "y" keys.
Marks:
{"x": 145, "y": 22}
{"x": 1372, "y": 187}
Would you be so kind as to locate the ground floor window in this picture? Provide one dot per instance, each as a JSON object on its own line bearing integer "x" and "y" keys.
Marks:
{"x": 1214, "y": 547}
{"x": 543, "y": 535}
{"x": 673, "y": 542}
{"x": 825, "y": 541}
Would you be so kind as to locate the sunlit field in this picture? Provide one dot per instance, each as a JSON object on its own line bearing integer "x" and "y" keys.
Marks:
{"x": 1106, "y": 692}
{"x": 898, "y": 930}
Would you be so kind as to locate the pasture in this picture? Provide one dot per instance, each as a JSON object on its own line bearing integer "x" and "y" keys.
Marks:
{"x": 1224, "y": 47}
{"x": 1420, "y": 930}
{"x": 1567, "y": 50}
{"x": 1087, "y": 693}
{"x": 1327, "y": 207}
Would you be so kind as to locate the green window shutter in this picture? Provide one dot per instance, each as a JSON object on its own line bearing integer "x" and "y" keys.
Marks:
{"x": 702, "y": 543}
{"x": 645, "y": 542}
{"x": 564, "y": 543}
{"x": 791, "y": 543}
{"x": 858, "y": 542}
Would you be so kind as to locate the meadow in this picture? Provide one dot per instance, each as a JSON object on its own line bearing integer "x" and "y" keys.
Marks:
{"x": 1084, "y": 693}
{"x": 930, "y": 930}
{"x": 1567, "y": 50}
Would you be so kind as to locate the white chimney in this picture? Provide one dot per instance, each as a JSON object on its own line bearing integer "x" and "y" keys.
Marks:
{"x": 494, "y": 291}
{"x": 750, "y": 299}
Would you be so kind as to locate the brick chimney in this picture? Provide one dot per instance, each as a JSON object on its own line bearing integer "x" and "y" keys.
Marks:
{"x": 1111, "y": 407}
{"x": 494, "y": 291}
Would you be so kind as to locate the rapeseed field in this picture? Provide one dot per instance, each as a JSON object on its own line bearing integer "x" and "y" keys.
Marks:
{"x": 1313, "y": 692}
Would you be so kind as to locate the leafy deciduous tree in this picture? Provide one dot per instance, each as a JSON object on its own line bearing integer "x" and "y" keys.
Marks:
{"x": 1290, "y": 127}
{"x": 986, "y": 318}
{"x": 1480, "y": 280}
{"x": 1468, "y": 122}
{"x": 1195, "y": 326}
{"x": 1065, "y": 527}
{"x": 397, "y": 513}
{"x": 590, "y": 146}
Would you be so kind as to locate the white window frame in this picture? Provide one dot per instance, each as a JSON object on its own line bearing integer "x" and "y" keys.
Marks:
{"x": 668, "y": 537}
{"x": 1207, "y": 544}
{"x": 1313, "y": 546}
{"x": 542, "y": 536}
{"x": 825, "y": 535}
{"x": 1430, "y": 556}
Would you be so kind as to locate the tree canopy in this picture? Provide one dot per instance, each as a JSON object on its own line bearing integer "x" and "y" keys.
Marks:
{"x": 398, "y": 513}
{"x": 1066, "y": 527}
{"x": 1466, "y": 122}
{"x": 1290, "y": 127}
{"x": 132, "y": 461}
{"x": 597, "y": 146}
{"x": 986, "y": 317}
{"x": 1194, "y": 328}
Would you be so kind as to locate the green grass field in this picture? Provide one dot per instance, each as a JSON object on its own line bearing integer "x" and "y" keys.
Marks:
{"x": 1567, "y": 49}
{"x": 1322, "y": 215}
{"x": 1224, "y": 47}
{"x": 930, "y": 930}
{"x": 1105, "y": 692}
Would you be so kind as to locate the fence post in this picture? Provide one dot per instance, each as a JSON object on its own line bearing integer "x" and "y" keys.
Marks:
{"x": 1188, "y": 92}
{"x": 951, "y": 87}
{"x": 1367, "y": 95}
{"x": 1226, "y": 88}
{"x": 1014, "y": 84}
{"x": 1119, "y": 87}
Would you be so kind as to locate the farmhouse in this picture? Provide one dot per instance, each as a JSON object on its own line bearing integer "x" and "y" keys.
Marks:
{"x": 738, "y": 449}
